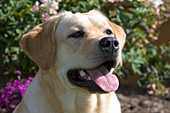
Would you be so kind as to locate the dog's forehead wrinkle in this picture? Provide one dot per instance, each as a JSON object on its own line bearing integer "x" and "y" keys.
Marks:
{"x": 99, "y": 23}
{"x": 85, "y": 20}
{"x": 74, "y": 22}
{"x": 101, "y": 20}
{"x": 78, "y": 19}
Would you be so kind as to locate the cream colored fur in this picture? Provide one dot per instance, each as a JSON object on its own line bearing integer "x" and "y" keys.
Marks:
{"x": 55, "y": 53}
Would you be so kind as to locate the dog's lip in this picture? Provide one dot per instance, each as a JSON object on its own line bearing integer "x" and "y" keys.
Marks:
{"x": 109, "y": 63}
{"x": 100, "y": 85}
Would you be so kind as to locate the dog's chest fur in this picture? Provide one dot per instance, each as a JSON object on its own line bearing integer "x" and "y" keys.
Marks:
{"x": 70, "y": 102}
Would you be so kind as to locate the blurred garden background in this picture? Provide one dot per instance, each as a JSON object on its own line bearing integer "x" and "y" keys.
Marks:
{"x": 146, "y": 56}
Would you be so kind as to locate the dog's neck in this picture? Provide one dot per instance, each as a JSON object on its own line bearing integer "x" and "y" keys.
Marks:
{"x": 67, "y": 100}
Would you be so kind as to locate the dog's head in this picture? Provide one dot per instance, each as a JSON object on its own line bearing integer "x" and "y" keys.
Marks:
{"x": 83, "y": 47}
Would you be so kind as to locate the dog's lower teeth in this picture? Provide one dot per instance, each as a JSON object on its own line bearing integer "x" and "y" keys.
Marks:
{"x": 111, "y": 71}
{"x": 82, "y": 73}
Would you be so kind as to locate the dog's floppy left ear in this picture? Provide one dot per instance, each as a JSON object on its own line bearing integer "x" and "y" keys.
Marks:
{"x": 40, "y": 45}
{"x": 119, "y": 35}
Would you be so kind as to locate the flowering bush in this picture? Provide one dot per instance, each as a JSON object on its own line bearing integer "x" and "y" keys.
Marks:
{"x": 11, "y": 95}
{"x": 50, "y": 6}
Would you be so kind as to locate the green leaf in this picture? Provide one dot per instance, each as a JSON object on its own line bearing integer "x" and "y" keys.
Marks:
{"x": 133, "y": 10}
{"x": 134, "y": 67}
{"x": 127, "y": 15}
{"x": 3, "y": 39}
{"x": 139, "y": 32}
{"x": 12, "y": 2}
{"x": 15, "y": 49}
{"x": 139, "y": 61}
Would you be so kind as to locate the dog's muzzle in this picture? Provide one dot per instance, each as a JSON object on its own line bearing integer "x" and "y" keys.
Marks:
{"x": 99, "y": 79}
{"x": 109, "y": 44}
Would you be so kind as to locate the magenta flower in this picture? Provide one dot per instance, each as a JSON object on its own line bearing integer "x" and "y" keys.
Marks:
{"x": 11, "y": 95}
{"x": 17, "y": 72}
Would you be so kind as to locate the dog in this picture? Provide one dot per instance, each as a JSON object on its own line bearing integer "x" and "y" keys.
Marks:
{"x": 75, "y": 54}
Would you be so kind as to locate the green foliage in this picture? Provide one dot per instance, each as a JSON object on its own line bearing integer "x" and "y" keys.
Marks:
{"x": 15, "y": 20}
{"x": 144, "y": 59}
{"x": 80, "y": 6}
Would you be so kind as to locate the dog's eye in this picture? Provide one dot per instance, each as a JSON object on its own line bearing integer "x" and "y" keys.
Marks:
{"x": 108, "y": 31}
{"x": 77, "y": 34}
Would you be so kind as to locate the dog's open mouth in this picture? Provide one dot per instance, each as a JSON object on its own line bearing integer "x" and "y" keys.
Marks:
{"x": 95, "y": 80}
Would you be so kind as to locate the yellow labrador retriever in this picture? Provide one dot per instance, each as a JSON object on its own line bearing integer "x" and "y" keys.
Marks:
{"x": 75, "y": 54}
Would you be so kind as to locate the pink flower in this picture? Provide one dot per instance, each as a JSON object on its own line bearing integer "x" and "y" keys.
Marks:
{"x": 45, "y": 16}
{"x": 50, "y": 4}
{"x": 52, "y": 11}
{"x": 31, "y": 78}
{"x": 17, "y": 72}
{"x": 112, "y": 1}
{"x": 35, "y": 7}
{"x": 158, "y": 11}
{"x": 45, "y": 0}
{"x": 156, "y": 3}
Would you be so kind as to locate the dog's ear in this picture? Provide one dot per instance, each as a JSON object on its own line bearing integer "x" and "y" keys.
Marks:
{"x": 40, "y": 45}
{"x": 119, "y": 35}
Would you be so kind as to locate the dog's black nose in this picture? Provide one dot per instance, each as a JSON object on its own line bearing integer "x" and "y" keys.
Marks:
{"x": 109, "y": 44}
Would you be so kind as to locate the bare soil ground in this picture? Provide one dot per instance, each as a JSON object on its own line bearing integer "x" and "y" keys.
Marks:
{"x": 136, "y": 100}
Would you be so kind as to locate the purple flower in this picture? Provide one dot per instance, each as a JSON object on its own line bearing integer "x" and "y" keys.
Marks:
{"x": 12, "y": 93}
{"x": 9, "y": 109}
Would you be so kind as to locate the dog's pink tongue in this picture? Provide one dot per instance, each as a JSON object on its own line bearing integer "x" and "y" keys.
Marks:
{"x": 104, "y": 79}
